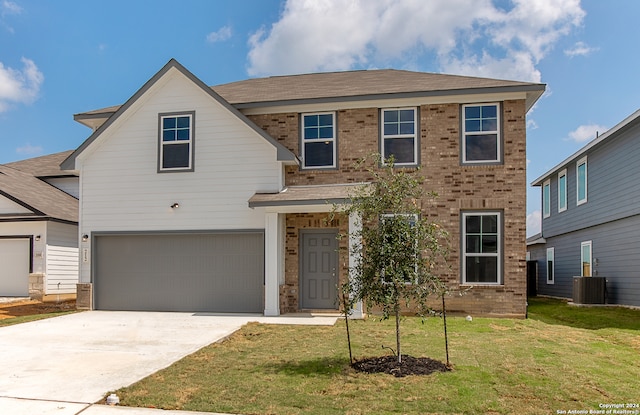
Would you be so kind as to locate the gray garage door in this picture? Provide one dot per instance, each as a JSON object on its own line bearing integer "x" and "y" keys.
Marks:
{"x": 222, "y": 272}
{"x": 14, "y": 267}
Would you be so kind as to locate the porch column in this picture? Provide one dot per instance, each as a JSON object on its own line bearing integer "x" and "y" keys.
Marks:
{"x": 271, "y": 265}
{"x": 355, "y": 224}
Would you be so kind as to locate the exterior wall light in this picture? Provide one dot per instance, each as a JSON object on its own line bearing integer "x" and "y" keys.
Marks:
{"x": 175, "y": 206}
{"x": 85, "y": 237}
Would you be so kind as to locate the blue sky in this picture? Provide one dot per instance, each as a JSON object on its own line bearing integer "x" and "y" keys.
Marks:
{"x": 58, "y": 58}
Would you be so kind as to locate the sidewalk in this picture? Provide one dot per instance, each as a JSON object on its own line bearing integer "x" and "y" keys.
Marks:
{"x": 14, "y": 406}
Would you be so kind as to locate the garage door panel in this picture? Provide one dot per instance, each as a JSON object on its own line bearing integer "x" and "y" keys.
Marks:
{"x": 208, "y": 272}
{"x": 14, "y": 267}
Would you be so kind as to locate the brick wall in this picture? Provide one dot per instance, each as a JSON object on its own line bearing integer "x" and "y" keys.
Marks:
{"x": 489, "y": 187}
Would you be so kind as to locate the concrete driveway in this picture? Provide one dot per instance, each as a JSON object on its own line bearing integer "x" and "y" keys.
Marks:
{"x": 64, "y": 364}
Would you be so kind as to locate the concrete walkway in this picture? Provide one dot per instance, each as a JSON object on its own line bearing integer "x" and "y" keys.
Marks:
{"x": 64, "y": 365}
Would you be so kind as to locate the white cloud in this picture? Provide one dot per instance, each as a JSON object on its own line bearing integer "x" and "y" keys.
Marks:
{"x": 471, "y": 37}
{"x": 220, "y": 35}
{"x": 534, "y": 223}
{"x": 29, "y": 150}
{"x": 586, "y": 132}
{"x": 19, "y": 86}
{"x": 580, "y": 49}
{"x": 9, "y": 7}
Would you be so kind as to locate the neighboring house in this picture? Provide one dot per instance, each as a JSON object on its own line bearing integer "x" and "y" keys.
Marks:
{"x": 38, "y": 229}
{"x": 591, "y": 217}
{"x": 198, "y": 198}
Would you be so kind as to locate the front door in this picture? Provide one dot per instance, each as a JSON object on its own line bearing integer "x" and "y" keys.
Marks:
{"x": 319, "y": 274}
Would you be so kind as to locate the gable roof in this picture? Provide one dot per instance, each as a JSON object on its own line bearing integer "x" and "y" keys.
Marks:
{"x": 599, "y": 140}
{"x": 19, "y": 183}
{"x": 349, "y": 86}
{"x": 43, "y": 166}
{"x": 283, "y": 154}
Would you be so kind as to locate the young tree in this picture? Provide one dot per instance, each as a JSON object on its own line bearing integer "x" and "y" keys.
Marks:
{"x": 398, "y": 246}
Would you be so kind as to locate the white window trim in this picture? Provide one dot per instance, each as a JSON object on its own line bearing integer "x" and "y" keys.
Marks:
{"x": 333, "y": 140}
{"x": 590, "y": 245}
{"x": 553, "y": 266}
{"x": 162, "y": 143}
{"x": 415, "y": 136}
{"x": 498, "y": 134}
{"x": 563, "y": 173}
{"x": 498, "y": 254}
{"x": 586, "y": 181}
{"x": 546, "y": 201}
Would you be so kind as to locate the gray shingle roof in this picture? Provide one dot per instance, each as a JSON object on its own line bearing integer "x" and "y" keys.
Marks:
{"x": 20, "y": 183}
{"x": 44, "y": 166}
{"x": 352, "y": 85}
{"x": 307, "y": 195}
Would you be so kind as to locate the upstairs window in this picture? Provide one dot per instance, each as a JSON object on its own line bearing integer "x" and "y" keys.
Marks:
{"x": 319, "y": 140}
{"x": 176, "y": 141}
{"x": 481, "y": 134}
{"x": 399, "y": 135}
{"x": 482, "y": 248}
{"x": 581, "y": 181}
{"x": 562, "y": 191}
{"x": 546, "y": 199}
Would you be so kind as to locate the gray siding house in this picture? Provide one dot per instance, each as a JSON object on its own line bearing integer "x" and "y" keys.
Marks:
{"x": 591, "y": 217}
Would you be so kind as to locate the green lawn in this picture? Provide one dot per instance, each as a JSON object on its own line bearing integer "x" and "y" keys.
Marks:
{"x": 560, "y": 359}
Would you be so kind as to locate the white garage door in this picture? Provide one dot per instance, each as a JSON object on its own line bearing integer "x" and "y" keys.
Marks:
{"x": 14, "y": 267}
{"x": 220, "y": 272}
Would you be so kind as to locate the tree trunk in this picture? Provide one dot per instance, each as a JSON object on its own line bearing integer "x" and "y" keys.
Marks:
{"x": 397, "y": 307}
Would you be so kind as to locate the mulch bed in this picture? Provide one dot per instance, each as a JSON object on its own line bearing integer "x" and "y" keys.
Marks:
{"x": 410, "y": 366}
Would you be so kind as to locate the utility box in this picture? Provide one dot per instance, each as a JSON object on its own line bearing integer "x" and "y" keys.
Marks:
{"x": 84, "y": 296}
{"x": 589, "y": 290}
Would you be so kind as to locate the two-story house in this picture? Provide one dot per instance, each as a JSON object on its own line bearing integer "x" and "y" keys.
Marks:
{"x": 38, "y": 229}
{"x": 201, "y": 198}
{"x": 591, "y": 217}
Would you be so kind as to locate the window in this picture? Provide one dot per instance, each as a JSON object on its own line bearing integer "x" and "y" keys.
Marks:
{"x": 550, "y": 266}
{"x": 546, "y": 199}
{"x": 176, "y": 141}
{"x": 319, "y": 140}
{"x": 481, "y": 136}
{"x": 581, "y": 181}
{"x": 562, "y": 191}
{"x": 482, "y": 246}
{"x": 585, "y": 259}
{"x": 399, "y": 135}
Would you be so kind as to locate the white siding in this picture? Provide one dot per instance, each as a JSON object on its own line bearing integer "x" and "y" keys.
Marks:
{"x": 62, "y": 259}
{"x": 10, "y": 207}
{"x": 62, "y": 270}
{"x": 69, "y": 185}
{"x": 62, "y": 234}
{"x": 121, "y": 189}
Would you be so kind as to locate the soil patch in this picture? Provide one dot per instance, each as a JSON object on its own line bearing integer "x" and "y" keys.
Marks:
{"x": 32, "y": 307}
{"x": 410, "y": 365}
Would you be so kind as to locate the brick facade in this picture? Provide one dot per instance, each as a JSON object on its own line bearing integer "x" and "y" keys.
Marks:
{"x": 500, "y": 187}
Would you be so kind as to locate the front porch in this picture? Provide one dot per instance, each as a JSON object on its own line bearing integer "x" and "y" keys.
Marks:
{"x": 294, "y": 218}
